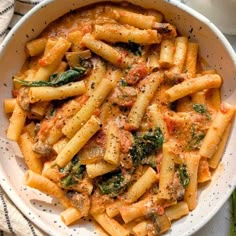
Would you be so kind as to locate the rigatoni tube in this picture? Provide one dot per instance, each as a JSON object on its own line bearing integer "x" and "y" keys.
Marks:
{"x": 78, "y": 141}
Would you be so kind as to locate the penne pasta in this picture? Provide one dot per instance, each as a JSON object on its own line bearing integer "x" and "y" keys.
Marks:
{"x": 78, "y": 141}
{"x": 98, "y": 74}
{"x": 42, "y": 94}
{"x": 112, "y": 154}
{"x": 17, "y": 122}
{"x": 36, "y": 46}
{"x": 145, "y": 95}
{"x": 99, "y": 168}
{"x": 192, "y": 86}
{"x": 190, "y": 195}
{"x": 117, "y": 33}
{"x": 140, "y": 229}
{"x": 70, "y": 215}
{"x": 138, "y": 20}
{"x": 140, "y": 187}
{"x": 177, "y": 211}
{"x": 54, "y": 52}
{"x": 39, "y": 109}
{"x": 166, "y": 53}
{"x": 86, "y": 111}
{"x": 166, "y": 172}
{"x": 216, "y": 130}
{"x": 113, "y": 209}
{"x": 215, "y": 159}
{"x": 44, "y": 185}
{"x": 191, "y": 59}
{"x": 179, "y": 57}
{"x": 110, "y": 225}
{"x": 31, "y": 158}
{"x": 157, "y": 119}
{"x": 136, "y": 210}
{"x": 75, "y": 38}
{"x": 104, "y": 50}
{"x": 204, "y": 173}
{"x": 9, "y": 105}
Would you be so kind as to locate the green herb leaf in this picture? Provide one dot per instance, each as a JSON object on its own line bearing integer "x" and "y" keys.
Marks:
{"x": 196, "y": 139}
{"x": 183, "y": 173}
{"x": 123, "y": 82}
{"x": 73, "y": 172}
{"x": 202, "y": 109}
{"x": 154, "y": 218}
{"x": 68, "y": 181}
{"x": 53, "y": 111}
{"x": 146, "y": 145}
{"x": 115, "y": 185}
{"x": 150, "y": 160}
{"x": 56, "y": 80}
{"x": 135, "y": 48}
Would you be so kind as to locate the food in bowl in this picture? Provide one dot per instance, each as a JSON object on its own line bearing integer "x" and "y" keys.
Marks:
{"x": 117, "y": 117}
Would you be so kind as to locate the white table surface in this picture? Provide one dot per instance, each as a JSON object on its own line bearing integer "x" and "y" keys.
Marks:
{"x": 219, "y": 225}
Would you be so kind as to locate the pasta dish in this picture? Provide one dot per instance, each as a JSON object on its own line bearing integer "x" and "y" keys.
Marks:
{"x": 118, "y": 118}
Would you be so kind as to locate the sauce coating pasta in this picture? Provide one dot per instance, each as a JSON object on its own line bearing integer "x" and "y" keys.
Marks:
{"x": 116, "y": 116}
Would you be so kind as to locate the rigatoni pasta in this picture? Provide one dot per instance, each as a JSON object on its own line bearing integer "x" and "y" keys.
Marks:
{"x": 17, "y": 122}
{"x": 118, "y": 33}
{"x": 37, "y": 94}
{"x": 118, "y": 119}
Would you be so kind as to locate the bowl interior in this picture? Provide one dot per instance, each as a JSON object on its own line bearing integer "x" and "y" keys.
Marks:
{"x": 214, "y": 49}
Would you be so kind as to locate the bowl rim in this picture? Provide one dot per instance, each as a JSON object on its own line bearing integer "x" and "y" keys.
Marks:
{"x": 179, "y": 5}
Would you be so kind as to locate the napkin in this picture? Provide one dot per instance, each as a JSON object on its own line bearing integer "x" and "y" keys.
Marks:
{"x": 6, "y": 13}
{"x": 12, "y": 221}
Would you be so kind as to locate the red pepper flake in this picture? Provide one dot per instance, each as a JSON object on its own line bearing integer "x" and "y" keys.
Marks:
{"x": 41, "y": 62}
{"x": 97, "y": 112}
{"x": 160, "y": 210}
{"x": 119, "y": 61}
{"x": 171, "y": 124}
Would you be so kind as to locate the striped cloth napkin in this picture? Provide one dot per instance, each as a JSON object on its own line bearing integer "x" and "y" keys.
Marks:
{"x": 6, "y": 13}
{"x": 12, "y": 221}
{"x": 11, "y": 11}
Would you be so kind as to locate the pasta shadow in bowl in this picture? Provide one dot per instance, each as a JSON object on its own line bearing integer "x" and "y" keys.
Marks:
{"x": 122, "y": 113}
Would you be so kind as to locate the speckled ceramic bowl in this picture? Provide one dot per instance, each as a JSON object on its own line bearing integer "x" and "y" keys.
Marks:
{"x": 214, "y": 48}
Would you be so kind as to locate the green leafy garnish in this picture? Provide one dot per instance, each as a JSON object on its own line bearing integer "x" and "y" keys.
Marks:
{"x": 196, "y": 139}
{"x": 183, "y": 173}
{"x": 135, "y": 48}
{"x": 202, "y": 109}
{"x": 53, "y": 111}
{"x": 146, "y": 145}
{"x": 123, "y": 82}
{"x": 115, "y": 185}
{"x": 154, "y": 218}
{"x": 73, "y": 172}
{"x": 158, "y": 219}
{"x": 56, "y": 80}
{"x": 150, "y": 160}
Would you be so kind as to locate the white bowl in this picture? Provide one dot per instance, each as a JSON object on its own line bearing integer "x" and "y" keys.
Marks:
{"x": 214, "y": 48}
